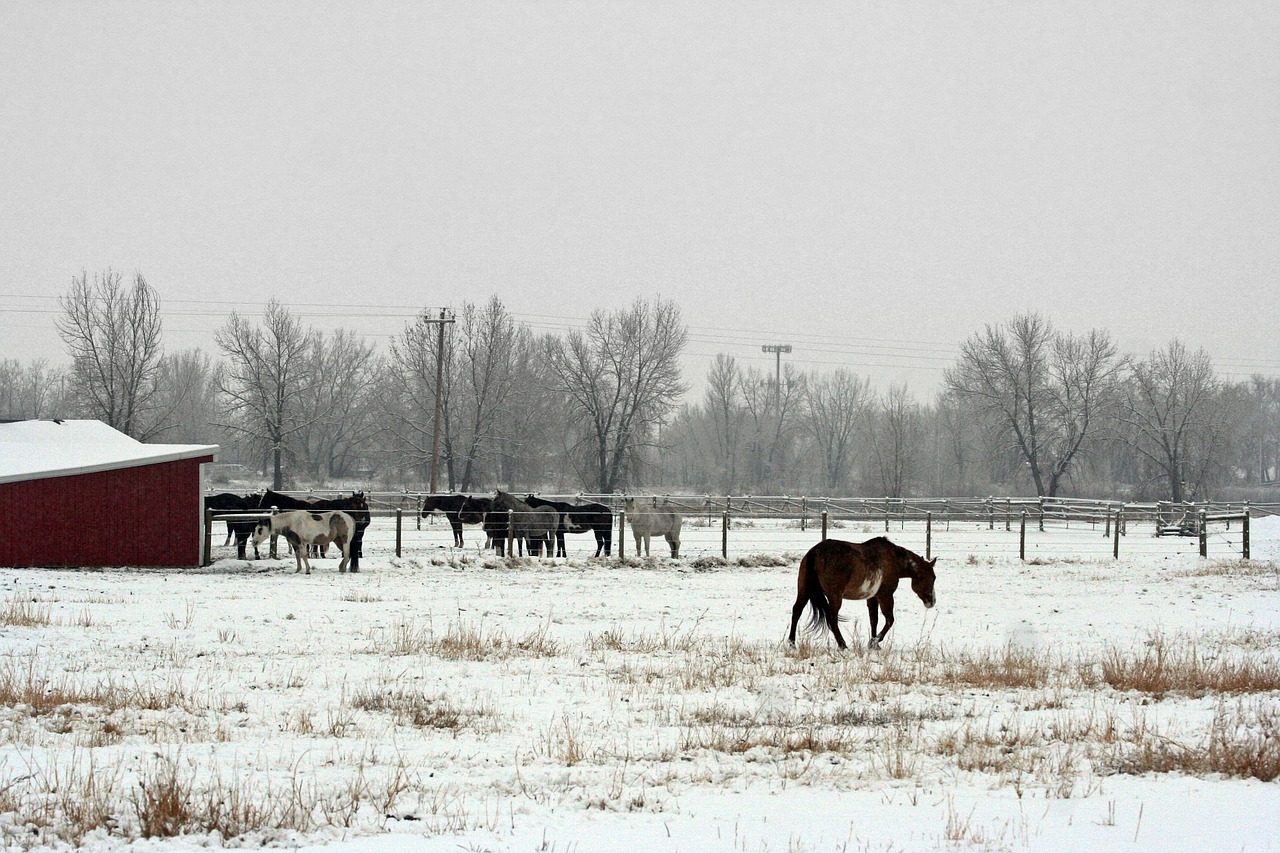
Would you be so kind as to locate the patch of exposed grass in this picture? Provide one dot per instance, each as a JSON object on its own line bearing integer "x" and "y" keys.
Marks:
{"x": 462, "y": 641}
{"x": 1242, "y": 742}
{"x": 24, "y": 610}
{"x": 412, "y": 708}
{"x": 1009, "y": 667}
{"x": 1179, "y": 666}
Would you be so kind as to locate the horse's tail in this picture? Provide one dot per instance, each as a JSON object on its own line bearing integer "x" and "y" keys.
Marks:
{"x": 811, "y": 589}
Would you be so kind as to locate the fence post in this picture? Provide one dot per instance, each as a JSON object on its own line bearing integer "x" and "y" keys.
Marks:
{"x": 886, "y": 514}
{"x": 1022, "y": 537}
{"x": 1106, "y": 530}
{"x": 511, "y": 533}
{"x": 991, "y": 513}
{"x": 1008, "y": 509}
{"x": 399, "y": 529}
{"x": 724, "y": 536}
{"x": 928, "y": 535}
{"x": 1115, "y": 528}
{"x": 207, "y": 557}
{"x": 1042, "y": 515}
{"x": 622, "y": 533}
{"x": 804, "y": 512}
{"x": 1204, "y": 535}
{"x": 824, "y": 525}
{"x": 1245, "y": 526}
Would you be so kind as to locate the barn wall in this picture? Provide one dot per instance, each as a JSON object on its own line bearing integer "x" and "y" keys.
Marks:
{"x": 148, "y": 515}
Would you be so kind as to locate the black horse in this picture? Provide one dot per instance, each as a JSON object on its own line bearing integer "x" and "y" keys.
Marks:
{"x": 451, "y": 507}
{"x": 240, "y": 528}
{"x": 580, "y": 518}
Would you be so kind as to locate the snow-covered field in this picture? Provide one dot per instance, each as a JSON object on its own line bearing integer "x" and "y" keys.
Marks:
{"x": 449, "y": 700}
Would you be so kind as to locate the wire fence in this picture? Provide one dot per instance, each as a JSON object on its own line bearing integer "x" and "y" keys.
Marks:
{"x": 743, "y": 527}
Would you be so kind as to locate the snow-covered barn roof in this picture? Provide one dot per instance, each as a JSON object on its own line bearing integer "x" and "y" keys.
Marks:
{"x": 31, "y": 450}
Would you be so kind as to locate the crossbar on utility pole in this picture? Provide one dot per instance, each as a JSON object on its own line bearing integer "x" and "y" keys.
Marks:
{"x": 777, "y": 350}
{"x": 440, "y": 323}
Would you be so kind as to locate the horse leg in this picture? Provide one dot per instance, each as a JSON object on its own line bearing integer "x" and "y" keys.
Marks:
{"x": 561, "y": 551}
{"x": 456, "y": 524}
{"x": 674, "y": 542}
{"x": 833, "y": 619}
{"x": 802, "y": 598}
{"x": 873, "y": 612}
{"x": 886, "y": 605}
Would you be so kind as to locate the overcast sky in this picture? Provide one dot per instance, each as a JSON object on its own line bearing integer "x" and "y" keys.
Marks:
{"x": 869, "y": 182}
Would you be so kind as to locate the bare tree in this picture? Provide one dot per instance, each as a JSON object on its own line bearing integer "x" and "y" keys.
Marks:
{"x": 837, "y": 404}
{"x": 186, "y": 381}
{"x": 481, "y": 381}
{"x": 407, "y": 398}
{"x": 487, "y": 346}
{"x": 1040, "y": 389}
{"x": 897, "y": 438}
{"x": 1261, "y": 455}
{"x": 773, "y": 422}
{"x": 336, "y": 419}
{"x": 724, "y": 409}
{"x": 31, "y": 391}
{"x": 113, "y": 337}
{"x": 621, "y": 376}
{"x": 267, "y": 382}
{"x": 1176, "y": 415}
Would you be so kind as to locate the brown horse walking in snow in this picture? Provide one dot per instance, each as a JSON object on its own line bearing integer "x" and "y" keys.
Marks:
{"x": 835, "y": 570}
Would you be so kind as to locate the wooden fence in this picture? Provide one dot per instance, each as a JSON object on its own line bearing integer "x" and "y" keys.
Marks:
{"x": 1113, "y": 519}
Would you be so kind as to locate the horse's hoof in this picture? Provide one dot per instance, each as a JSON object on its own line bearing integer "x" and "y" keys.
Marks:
{"x": 874, "y": 644}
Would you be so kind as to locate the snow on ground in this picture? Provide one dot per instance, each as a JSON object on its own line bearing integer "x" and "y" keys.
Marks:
{"x": 448, "y": 700}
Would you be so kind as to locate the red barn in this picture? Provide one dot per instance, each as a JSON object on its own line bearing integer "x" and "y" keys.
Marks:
{"x": 79, "y": 493}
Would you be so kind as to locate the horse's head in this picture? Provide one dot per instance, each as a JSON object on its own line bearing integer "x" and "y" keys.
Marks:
{"x": 630, "y": 505}
{"x": 261, "y": 531}
{"x": 922, "y": 579}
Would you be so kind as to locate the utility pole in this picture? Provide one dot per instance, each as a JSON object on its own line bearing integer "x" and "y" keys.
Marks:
{"x": 444, "y": 318}
{"x": 777, "y": 350}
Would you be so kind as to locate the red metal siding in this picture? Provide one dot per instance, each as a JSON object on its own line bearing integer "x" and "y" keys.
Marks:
{"x": 148, "y": 515}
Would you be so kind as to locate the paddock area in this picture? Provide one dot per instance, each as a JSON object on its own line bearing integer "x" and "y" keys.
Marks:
{"x": 449, "y": 699}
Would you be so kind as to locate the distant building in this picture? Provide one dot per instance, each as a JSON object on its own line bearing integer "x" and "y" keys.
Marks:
{"x": 79, "y": 493}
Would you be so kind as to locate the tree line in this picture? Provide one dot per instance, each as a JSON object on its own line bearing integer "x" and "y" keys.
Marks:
{"x": 1025, "y": 409}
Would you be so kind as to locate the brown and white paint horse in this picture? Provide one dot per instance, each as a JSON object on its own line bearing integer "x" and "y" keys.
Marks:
{"x": 834, "y": 571}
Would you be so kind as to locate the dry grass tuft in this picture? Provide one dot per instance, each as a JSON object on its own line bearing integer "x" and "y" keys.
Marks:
{"x": 163, "y": 802}
{"x": 1242, "y": 742}
{"x": 1165, "y": 667}
{"x": 463, "y": 641}
{"x": 416, "y": 709}
{"x": 1238, "y": 569}
{"x": 24, "y": 610}
{"x": 1008, "y": 668}
{"x": 26, "y": 684}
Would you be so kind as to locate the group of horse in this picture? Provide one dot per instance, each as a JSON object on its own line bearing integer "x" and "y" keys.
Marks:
{"x": 304, "y": 523}
{"x": 831, "y": 572}
{"x": 538, "y": 526}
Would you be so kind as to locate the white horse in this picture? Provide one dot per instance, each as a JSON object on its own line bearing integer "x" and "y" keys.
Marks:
{"x": 653, "y": 522}
{"x": 303, "y": 528}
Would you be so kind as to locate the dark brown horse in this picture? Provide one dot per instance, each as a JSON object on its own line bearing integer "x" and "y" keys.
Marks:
{"x": 450, "y": 506}
{"x": 834, "y": 571}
